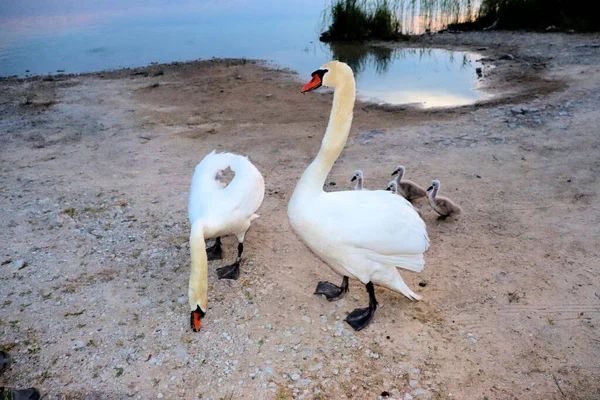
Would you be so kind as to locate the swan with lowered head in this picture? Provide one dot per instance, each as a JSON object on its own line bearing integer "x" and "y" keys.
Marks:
{"x": 215, "y": 210}
{"x": 408, "y": 189}
{"x": 442, "y": 205}
{"x": 358, "y": 177}
{"x": 362, "y": 234}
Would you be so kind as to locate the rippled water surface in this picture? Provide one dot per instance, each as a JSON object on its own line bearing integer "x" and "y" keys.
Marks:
{"x": 44, "y": 37}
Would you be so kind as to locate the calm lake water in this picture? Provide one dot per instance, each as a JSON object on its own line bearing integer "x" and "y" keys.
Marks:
{"x": 50, "y": 36}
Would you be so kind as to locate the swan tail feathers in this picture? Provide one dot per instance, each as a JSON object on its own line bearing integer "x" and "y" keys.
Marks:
{"x": 411, "y": 262}
{"x": 403, "y": 288}
{"x": 254, "y": 216}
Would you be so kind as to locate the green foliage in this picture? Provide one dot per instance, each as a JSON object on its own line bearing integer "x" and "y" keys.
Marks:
{"x": 361, "y": 20}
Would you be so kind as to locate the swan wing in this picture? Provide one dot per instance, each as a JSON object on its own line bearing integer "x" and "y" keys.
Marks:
{"x": 385, "y": 225}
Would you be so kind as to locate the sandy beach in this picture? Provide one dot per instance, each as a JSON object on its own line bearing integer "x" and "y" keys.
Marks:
{"x": 94, "y": 177}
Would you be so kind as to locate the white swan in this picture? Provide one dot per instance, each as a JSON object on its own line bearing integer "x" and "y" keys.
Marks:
{"x": 363, "y": 234}
{"x": 215, "y": 211}
{"x": 358, "y": 177}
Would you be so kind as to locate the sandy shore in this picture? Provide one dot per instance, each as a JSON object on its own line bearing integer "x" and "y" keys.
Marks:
{"x": 94, "y": 175}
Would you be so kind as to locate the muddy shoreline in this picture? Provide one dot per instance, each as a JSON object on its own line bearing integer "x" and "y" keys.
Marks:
{"x": 94, "y": 174}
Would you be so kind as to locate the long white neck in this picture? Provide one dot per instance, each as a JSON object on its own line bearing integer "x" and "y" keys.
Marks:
{"x": 198, "y": 284}
{"x": 338, "y": 129}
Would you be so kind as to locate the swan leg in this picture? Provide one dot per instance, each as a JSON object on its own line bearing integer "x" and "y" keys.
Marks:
{"x": 215, "y": 252}
{"x": 331, "y": 291}
{"x": 361, "y": 317}
{"x": 232, "y": 271}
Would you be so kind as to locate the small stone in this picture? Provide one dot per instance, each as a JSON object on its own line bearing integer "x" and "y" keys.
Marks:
{"x": 413, "y": 383}
{"x": 304, "y": 382}
{"x": 374, "y": 355}
{"x": 516, "y": 111}
{"x": 471, "y": 337}
{"x": 268, "y": 370}
{"x": 315, "y": 366}
{"x": 356, "y": 297}
{"x": 415, "y": 371}
{"x": 182, "y": 299}
{"x": 78, "y": 345}
{"x": 537, "y": 121}
{"x": 407, "y": 396}
{"x": 181, "y": 353}
{"x": 281, "y": 349}
{"x": 473, "y": 145}
{"x": 336, "y": 371}
{"x": 295, "y": 377}
{"x": 268, "y": 95}
{"x": 268, "y": 327}
{"x": 20, "y": 264}
{"x": 507, "y": 57}
{"x": 512, "y": 125}
{"x": 160, "y": 396}
{"x": 419, "y": 392}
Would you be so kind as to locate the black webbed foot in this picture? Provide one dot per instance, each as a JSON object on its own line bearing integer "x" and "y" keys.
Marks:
{"x": 360, "y": 318}
{"x": 331, "y": 291}
{"x": 230, "y": 271}
{"x": 214, "y": 252}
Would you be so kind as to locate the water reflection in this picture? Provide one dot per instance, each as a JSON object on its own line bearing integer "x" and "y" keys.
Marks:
{"x": 87, "y": 35}
{"x": 429, "y": 77}
{"x": 360, "y": 57}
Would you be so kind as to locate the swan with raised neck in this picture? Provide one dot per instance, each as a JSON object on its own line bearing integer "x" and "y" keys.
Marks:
{"x": 369, "y": 245}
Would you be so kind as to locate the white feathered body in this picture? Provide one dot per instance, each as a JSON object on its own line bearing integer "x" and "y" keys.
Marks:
{"x": 362, "y": 234}
{"x": 230, "y": 209}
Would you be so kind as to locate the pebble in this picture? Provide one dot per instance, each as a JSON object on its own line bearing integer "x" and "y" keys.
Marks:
{"x": 407, "y": 396}
{"x": 181, "y": 353}
{"x": 20, "y": 264}
{"x": 304, "y": 382}
{"x": 413, "y": 383}
{"x": 78, "y": 345}
{"x": 295, "y": 377}
{"x": 336, "y": 371}
{"x": 281, "y": 349}
{"x": 315, "y": 366}
{"x": 419, "y": 392}
{"x": 181, "y": 299}
{"x": 374, "y": 355}
{"x": 160, "y": 396}
{"x": 471, "y": 337}
{"x": 268, "y": 95}
{"x": 517, "y": 110}
{"x": 268, "y": 327}
{"x": 507, "y": 57}
{"x": 356, "y": 297}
